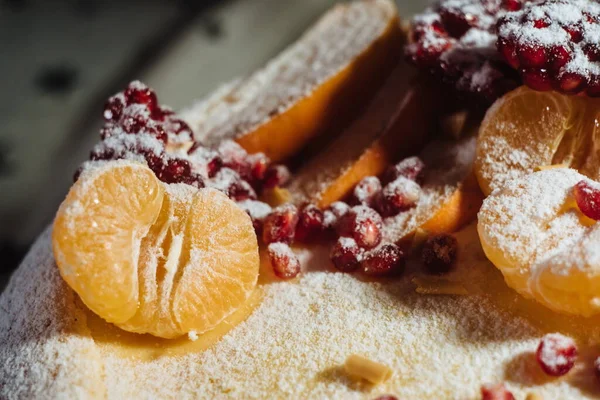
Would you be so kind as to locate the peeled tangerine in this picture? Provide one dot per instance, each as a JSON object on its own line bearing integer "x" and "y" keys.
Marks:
{"x": 151, "y": 257}
{"x": 526, "y": 129}
{"x": 532, "y": 230}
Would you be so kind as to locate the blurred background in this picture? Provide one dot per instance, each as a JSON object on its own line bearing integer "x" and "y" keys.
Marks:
{"x": 61, "y": 59}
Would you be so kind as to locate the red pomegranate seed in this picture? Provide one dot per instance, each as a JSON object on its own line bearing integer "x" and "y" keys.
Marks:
{"x": 259, "y": 164}
{"x": 399, "y": 195}
{"x": 363, "y": 224}
{"x": 496, "y": 392}
{"x": 587, "y": 196}
{"x": 283, "y": 260}
{"x": 346, "y": 255}
{"x": 532, "y": 56}
{"x": 276, "y": 175}
{"x": 138, "y": 93}
{"x": 571, "y": 82}
{"x": 240, "y": 190}
{"x": 195, "y": 180}
{"x": 457, "y": 23}
{"x": 310, "y": 224}
{"x": 556, "y": 354}
{"x": 509, "y": 52}
{"x": 385, "y": 260}
{"x": 367, "y": 191}
{"x": 113, "y": 109}
{"x": 537, "y": 79}
{"x": 513, "y": 5}
{"x": 411, "y": 168}
{"x": 560, "y": 56}
{"x": 257, "y": 210}
{"x": 439, "y": 253}
{"x": 280, "y": 224}
{"x": 333, "y": 213}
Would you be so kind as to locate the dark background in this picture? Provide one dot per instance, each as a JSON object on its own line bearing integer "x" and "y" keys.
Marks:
{"x": 60, "y": 60}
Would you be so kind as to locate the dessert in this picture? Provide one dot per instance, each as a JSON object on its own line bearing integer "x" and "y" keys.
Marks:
{"x": 184, "y": 264}
{"x": 314, "y": 87}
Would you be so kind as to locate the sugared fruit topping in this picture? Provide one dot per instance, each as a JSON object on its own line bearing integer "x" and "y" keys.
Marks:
{"x": 346, "y": 255}
{"x": 410, "y": 168}
{"x": 587, "y": 196}
{"x": 439, "y": 253}
{"x": 363, "y": 224}
{"x": 333, "y": 214}
{"x": 387, "y": 259}
{"x": 556, "y": 354}
{"x": 367, "y": 191}
{"x": 398, "y": 195}
{"x": 280, "y": 224}
{"x": 554, "y": 45}
{"x": 456, "y": 40}
{"x": 283, "y": 260}
{"x": 151, "y": 257}
{"x": 496, "y": 392}
{"x": 310, "y": 224}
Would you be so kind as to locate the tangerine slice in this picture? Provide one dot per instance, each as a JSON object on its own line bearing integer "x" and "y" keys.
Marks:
{"x": 526, "y": 129}
{"x": 533, "y": 232}
{"x": 151, "y": 257}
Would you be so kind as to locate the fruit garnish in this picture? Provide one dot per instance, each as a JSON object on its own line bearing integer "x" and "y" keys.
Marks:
{"x": 399, "y": 195}
{"x": 151, "y": 257}
{"x": 346, "y": 255}
{"x": 310, "y": 225}
{"x": 526, "y": 129}
{"x": 439, "y": 253}
{"x": 496, "y": 392}
{"x": 531, "y": 232}
{"x": 384, "y": 260}
{"x": 367, "y": 191}
{"x": 280, "y": 224}
{"x": 556, "y": 354}
{"x": 587, "y": 196}
{"x": 363, "y": 224}
{"x": 283, "y": 260}
{"x": 456, "y": 40}
{"x": 554, "y": 45}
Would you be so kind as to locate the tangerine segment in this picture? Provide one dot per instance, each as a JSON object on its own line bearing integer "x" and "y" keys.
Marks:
{"x": 532, "y": 232}
{"x": 526, "y": 129}
{"x": 185, "y": 260}
{"x": 97, "y": 233}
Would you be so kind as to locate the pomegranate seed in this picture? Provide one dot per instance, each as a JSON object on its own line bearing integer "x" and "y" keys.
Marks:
{"x": 257, "y": 210}
{"x": 175, "y": 171}
{"x": 346, "y": 255}
{"x": 259, "y": 164}
{"x": 512, "y": 5}
{"x": 280, "y": 224}
{"x": 587, "y": 196}
{"x": 537, "y": 79}
{"x": 310, "y": 223}
{"x": 399, "y": 195}
{"x": 283, "y": 260}
{"x": 560, "y": 57}
{"x": 439, "y": 253}
{"x": 113, "y": 109}
{"x": 532, "y": 56}
{"x": 193, "y": 180}
{"x": 276, "y": 175}
{"x": 571, "y": 82}
{"x": 138, "y": 93}
{"x": 411, "y": 168}
{"x": 363, "y": 224}
{"x": 496, "y": 392}
{"x": 385, "y": 260}
{"x": 367, "y": 190}
{"x": 457, "y": 24}
{"x": 333, "y": 213}
{"x": 240, "y": 190}
{"x": 509, "y": 52}
{"x": 575, "y": 32}
{"x": 556, "y": 354}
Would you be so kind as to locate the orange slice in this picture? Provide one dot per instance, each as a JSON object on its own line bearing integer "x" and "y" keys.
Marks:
{"x": 526, "y": 129}
{"x": 154, "y": 258}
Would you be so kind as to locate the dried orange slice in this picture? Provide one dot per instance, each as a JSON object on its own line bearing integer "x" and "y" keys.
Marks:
{"x": 154, "y": 258}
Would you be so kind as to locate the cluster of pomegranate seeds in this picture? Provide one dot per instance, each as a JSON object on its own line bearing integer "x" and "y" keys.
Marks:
{"x": 283, "y": 260}
{"x": 456, "y": 40}
{"x": 384, "y": 260}
{"x": 554, "y": 44}
{"x": 587, "y": 197}
{"x": 496, "y": 392}
{"x": 556, "y": 354}
{"x": 439, "y": 253}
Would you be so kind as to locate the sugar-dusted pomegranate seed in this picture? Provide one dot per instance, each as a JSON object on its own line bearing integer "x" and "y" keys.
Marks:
{"x": 240, "y": 190}
{"x": 257, "y": 210}
{"x": 496, "y": 392}
{"x": 346, "y": 255}
{"x": 513, "y": 5}
{"x": 532, "y": 56}
{"x": 457, "y": 23}
{"x": 397, "y": 196}
{"x": 175, "y": 171}
{"x": 283, "y": 260}
{"x": 411, "y": 168}
{"x": 280, "y": 224}
{"x": 138, "y": 93}
{"x": 310, "y": 224}
{"x": 193, "y": 179}
{"x": 587, "y": 196}
{"x": 363, "y": 224}
{"x": 333, "y": 213}
{"x": 259, "y": 164}
{"x": 113, "y": 108}
{"x": 367, "y": 191}
{"x": 276, "y": 175}
{"x": 556, "y": 354}
{"x": 439, "y": 253}
{"x": 384, "y": 260}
